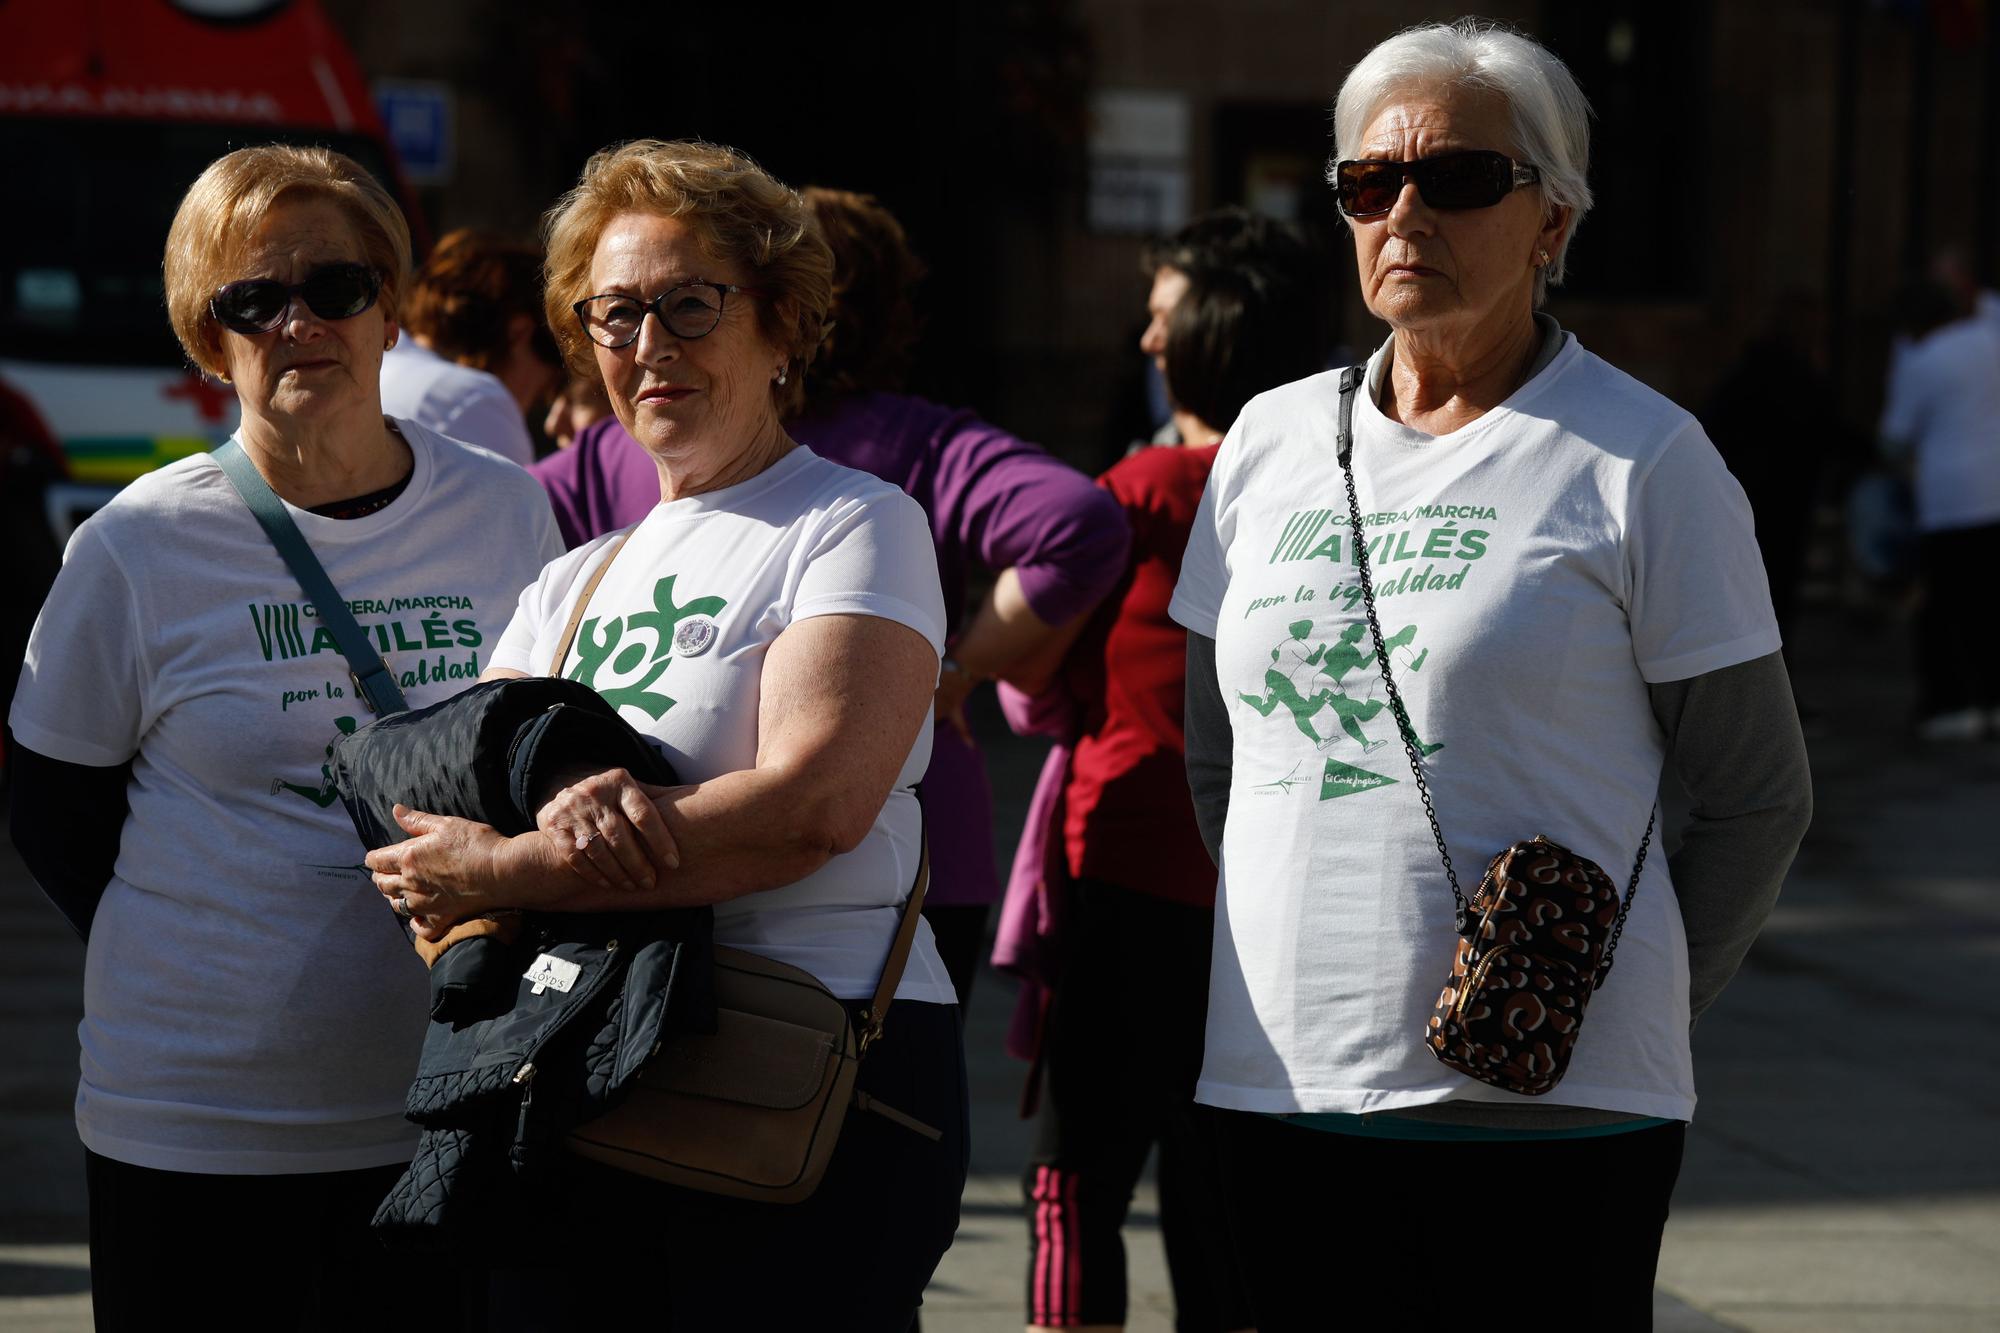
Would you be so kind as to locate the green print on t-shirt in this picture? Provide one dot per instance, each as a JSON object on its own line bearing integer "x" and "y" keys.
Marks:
{"x": 600, "y": 643}
{"x": 1308, "y": 678}
{"x": 328, "y": 790}
{"x": 287, "y": 630}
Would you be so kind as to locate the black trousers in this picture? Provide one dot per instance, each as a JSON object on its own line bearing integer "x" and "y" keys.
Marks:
{"x": 172, "y": 1248}
{"x": 621, "y": 1252}
{"x": 1958, "y": 639}
{"x": 1123, "y": 1052}
{"x": 960, "y": 930}
{"x": 1341, "y": 1232}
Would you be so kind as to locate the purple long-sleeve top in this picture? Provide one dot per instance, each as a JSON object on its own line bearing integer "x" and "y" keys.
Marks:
{"x": 994, "y": 502}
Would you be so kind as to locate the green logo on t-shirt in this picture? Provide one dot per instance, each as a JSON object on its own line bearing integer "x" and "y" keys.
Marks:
{"x": 1345, "y": 780}
{"x": 620, "y": 645}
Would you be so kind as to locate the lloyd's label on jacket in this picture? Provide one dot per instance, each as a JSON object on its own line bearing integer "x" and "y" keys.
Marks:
{"x": 552, "y": 973}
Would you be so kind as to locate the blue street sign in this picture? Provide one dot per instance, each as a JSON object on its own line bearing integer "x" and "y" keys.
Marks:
{"x": 419, "y": 119}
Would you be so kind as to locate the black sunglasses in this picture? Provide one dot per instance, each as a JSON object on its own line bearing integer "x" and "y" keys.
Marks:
{"x": 331, "y": 291}
{"x": 1479, "y": 178}
{"x": 691, "y": 310}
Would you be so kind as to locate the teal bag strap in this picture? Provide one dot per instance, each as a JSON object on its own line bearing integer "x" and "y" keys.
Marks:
{"x": 370, "y": 674}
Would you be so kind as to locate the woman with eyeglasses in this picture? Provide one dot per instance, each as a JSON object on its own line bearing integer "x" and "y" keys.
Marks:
{"x": 1561, "y": 579}
{"x": 1001, "y": 511}
{"x": 774, "y": 623}
{"x": 252, "y": 1016}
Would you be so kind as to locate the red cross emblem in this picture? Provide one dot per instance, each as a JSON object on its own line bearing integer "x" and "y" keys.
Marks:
{"x": 211, "y": 400}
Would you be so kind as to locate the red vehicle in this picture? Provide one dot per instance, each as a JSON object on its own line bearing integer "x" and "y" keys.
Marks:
{"x": 108, "y": 111}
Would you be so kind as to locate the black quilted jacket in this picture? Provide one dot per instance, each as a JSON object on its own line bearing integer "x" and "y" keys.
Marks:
{"x": 530, "y": 1038}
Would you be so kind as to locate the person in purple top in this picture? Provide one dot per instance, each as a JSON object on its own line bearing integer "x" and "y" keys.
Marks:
{"x": 1052, "y": 542}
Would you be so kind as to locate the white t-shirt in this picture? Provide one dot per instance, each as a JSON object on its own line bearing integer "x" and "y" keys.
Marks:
{"x": 250, "y": 1007}
{"x": 676, "y": 634}
{"x": 1944, "y": 402}
{"x": 1534, "y": 571}
{"x": 453, "y": 400}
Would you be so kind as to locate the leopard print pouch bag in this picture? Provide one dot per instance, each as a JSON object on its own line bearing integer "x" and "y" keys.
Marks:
{"x": 1547, "y": 920}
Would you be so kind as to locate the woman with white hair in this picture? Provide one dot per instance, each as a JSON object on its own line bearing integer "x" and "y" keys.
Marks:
{"x": 1539, "y": 574}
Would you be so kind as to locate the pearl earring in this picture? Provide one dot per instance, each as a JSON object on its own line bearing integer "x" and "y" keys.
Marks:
{"x": 784, "y": 374}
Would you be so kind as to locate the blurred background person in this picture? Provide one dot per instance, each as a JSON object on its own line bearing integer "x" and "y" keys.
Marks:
{"x": 1775, "y": 419}
{"x": 999, "y": 508}
{"x": 1943, "y": 416}
{"x": 1121, "y": 1044}
{"x": 1224, "y": 238}
{"x": 480, "y": 360}
{"x": 580, "y": 404}
{"x": 252, "y": 1017}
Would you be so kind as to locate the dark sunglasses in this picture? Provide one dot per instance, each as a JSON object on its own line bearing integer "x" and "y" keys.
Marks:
{"x": 691, "y": 310}
{"x": 1479, "y": 178}
{"x": 332, "y": 291}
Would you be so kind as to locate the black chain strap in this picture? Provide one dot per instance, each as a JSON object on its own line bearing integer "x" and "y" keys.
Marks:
{"x": 1350, "y": 382}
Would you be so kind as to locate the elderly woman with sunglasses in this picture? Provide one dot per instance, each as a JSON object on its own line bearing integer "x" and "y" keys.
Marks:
{"x": 252, "y": 1017}
{"x": 774, "y": 623}
{"x": 1563, "y": 587}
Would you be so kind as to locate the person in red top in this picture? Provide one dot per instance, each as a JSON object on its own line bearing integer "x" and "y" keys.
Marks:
{"x": 1122, "y": 1035}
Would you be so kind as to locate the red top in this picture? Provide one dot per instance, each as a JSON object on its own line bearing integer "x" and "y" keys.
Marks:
{"x": 1130, "y": 819}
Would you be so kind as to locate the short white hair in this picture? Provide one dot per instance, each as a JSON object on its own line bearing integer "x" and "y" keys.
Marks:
{"x": 1550, "y": 114}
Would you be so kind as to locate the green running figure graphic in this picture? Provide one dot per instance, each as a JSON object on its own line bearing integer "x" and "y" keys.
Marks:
{"x": 1334, "y": 662}
{"x": 328, "y": 790}
{"x": 1280, "y": 687}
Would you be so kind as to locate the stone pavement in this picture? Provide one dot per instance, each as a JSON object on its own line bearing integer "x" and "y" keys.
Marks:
{"x": 1843, "y": 1171}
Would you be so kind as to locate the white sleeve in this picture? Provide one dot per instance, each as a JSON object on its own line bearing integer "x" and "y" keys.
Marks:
{"x": 86, "y": 686}
{"x": 492, "y": 420}
{"x": 1197, "y": 600}
{"x": 874, "y": 557}
{"x": 1696, "y": 594}
{"x": 543, "y": 608}
{"x": 1909, "y": 398}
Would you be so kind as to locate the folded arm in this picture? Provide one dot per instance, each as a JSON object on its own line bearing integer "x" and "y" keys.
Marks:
{"x": 842, "y": 698}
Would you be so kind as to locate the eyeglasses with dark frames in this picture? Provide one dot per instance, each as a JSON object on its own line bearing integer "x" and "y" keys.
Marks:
{"x": 331, "y": 291}
{"x": 1478, "y": 178}
{"x": 690, "y": 310}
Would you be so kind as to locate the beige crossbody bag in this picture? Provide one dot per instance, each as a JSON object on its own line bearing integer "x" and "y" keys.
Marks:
{"x": 753, "y": 1109}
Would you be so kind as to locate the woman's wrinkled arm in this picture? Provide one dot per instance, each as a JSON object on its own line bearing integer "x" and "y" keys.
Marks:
{"x": 842, "y": 698}
{"x": 1734, "y": 736}
{"x": 1210, "y": 744}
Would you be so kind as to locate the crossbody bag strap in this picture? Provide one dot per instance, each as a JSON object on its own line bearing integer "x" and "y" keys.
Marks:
{"x": 372, "y": 678}
{"x": 583, "y": 603}
{"x": 1350, "y": 384}
{"x": 877, "y": 1011}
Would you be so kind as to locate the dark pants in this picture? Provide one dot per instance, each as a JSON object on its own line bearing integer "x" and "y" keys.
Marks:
{"x": 1123, "y": 1051}
{"x": 961, "y": 939}
{"x": 621, "y": 1252}
{"x": 1337, "y": 1231}
{"x": 171, "y": 1248}
{"x": 1958, "y": 640}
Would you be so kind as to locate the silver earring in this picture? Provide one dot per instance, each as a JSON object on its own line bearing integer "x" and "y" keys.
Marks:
{"x": 784, "y": 374}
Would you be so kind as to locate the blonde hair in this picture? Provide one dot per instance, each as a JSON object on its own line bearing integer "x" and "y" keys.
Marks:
{"x": 740, "y": 214}
{"x": 231, "y": 199}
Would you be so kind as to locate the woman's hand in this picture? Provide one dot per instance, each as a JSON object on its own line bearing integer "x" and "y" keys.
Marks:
{"x": 450, "y": 869}
{"x": 606, "y": 828}
{"x": 955, "y": 684}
